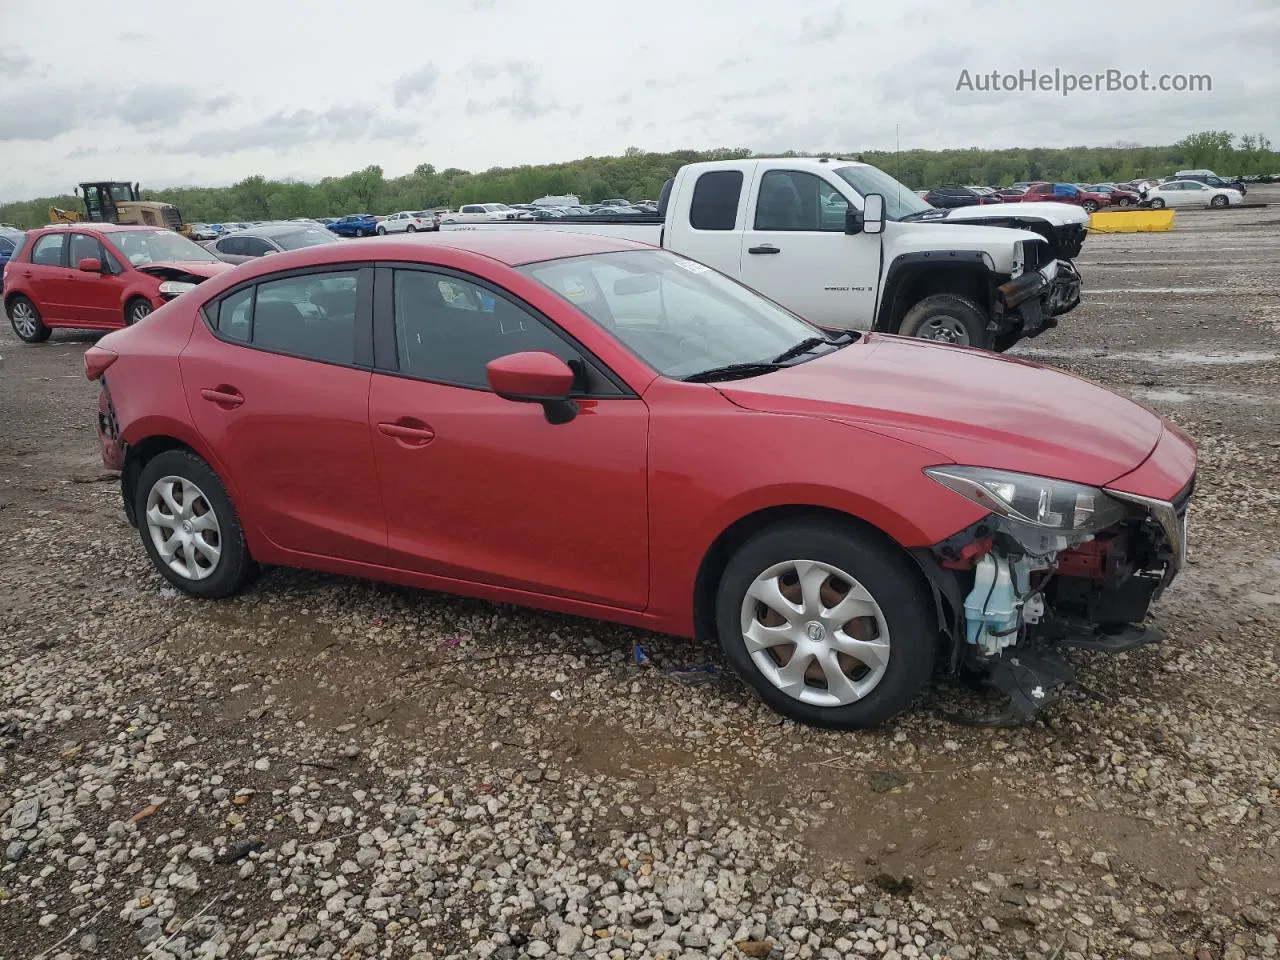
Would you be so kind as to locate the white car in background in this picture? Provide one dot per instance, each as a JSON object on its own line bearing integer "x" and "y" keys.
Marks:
{"x": 485, "y": 213}
{"x": 1191, "y": 193}
{"x": 408, "y": 221}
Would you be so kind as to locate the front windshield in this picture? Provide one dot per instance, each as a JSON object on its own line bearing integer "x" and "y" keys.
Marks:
{"x": 899, "y": 199}
{"x": 678, "y": 316}
{"x": 141, "y": 247}
{"x": 304, "y": 238}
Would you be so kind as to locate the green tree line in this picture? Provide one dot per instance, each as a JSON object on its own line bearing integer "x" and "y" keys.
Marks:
{"x": 639, "y": 174}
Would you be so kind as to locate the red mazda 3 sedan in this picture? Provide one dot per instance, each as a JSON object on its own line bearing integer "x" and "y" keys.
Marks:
{"x": 602, "y": 428}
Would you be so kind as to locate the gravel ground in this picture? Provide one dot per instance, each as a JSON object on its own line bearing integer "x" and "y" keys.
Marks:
{"x": 331, "y": 768}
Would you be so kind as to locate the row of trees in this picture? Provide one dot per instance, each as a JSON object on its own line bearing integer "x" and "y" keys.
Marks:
{"x": 638, "y": 174}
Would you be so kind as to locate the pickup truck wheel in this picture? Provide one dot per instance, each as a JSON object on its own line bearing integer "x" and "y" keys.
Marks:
{"x": 830, "y": 625}
{"x": 1157, "y": 204}
{"x": 947, "y": 318}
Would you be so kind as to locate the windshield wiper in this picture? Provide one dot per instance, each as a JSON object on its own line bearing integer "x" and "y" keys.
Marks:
{"x": 840, "y": 339}
{"x": 733, "y": 371}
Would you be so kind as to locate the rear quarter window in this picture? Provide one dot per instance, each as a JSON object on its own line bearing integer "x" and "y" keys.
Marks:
{"x": 715, "y": 200}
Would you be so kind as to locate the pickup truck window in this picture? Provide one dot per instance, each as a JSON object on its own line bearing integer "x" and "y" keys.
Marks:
{"x": 899, "y": 200}
{"x": 794, "y": 200}
{"x": 715, "y": 200}
{"x": 678, "y": 316}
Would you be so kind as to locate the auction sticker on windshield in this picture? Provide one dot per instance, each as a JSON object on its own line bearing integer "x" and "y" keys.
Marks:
{"x": 692, "y": 266}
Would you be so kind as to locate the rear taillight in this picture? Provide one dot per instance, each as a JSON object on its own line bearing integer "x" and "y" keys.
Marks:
{"x": 96, "y": 361}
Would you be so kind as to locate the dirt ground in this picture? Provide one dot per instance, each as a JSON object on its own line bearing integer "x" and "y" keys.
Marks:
{"x": 1145, "y": 825}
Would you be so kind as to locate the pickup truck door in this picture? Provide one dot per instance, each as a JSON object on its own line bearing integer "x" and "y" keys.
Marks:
{"x": 795, "y": 250}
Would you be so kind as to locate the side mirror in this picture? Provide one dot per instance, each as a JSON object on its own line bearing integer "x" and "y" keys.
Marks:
{"x": 873, "y": 213}
{"x": 535, "y": 376}
{"x": 90, "y": 265}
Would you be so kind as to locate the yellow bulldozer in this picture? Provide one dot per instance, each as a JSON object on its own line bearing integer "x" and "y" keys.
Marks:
{"x": 112, "y": 201}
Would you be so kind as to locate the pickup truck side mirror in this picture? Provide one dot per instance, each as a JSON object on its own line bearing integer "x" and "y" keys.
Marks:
{"x": 873, "y": 213}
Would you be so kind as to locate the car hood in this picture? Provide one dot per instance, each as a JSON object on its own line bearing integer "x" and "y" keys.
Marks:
{"x": 190, "y": 271}
{"x": 966, "y": 405}
{"x": 1064, "y": 225}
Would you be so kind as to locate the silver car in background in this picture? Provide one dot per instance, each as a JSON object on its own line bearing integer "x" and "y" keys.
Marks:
{"x": 253, "y": 242}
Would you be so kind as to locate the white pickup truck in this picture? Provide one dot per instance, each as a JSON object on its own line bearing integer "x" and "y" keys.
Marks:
{"x": 845, "y": 245}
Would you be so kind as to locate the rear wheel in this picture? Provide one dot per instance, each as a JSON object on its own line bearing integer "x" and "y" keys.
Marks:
{"x": 382, "y": 231}
{"x": 189, "y": 527}
{"x": 1218, "y": 201}
{"x": 26, "y": 321}
{"x": 947, "y": 318}
{"x": 1157, "y": 204}
{"x": 828, "y": 624}
{"x": 135, "y": 310}
{"x": 1090, "y": 206}
{"x": 411, "y": 229}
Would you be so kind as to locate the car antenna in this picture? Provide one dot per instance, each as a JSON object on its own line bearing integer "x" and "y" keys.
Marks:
{"x": 897, "y": 174}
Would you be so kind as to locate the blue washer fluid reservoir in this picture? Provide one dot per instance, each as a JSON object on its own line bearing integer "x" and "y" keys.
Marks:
{"x": 991, "y": 608}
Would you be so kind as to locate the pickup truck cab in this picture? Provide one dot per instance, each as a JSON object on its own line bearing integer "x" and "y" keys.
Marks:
{"x": 845, "y": 245}
{"x": 484, "y": 213}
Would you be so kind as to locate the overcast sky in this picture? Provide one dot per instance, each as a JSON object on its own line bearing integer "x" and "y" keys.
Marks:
{"x": 172, "y": 93}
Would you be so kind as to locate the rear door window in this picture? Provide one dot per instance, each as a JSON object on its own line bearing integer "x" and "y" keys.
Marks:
{"x": 48, "y": 250}
{"x": 715, "y": 200}
{"x": 311, "y": 316}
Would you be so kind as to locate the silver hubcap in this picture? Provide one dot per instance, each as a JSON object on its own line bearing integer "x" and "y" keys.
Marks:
{"x": 184, "y": 527}
{"x": 140, "y": 310}
{"x": 24, "y": 319}
{"x": 944, "y": 328}
{"x": 815, "y": 633}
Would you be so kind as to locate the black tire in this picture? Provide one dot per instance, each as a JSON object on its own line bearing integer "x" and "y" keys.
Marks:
{"x": 1005, "y": 341}
{"x": 135, "y": 310}
{"x": 1218, "y": 202}
{"x": 1157, "y": 203}
{"x": 883, "y": 570}
{"x": 36, "y": 331}
{"x": 382, "y": 231}
{"x": 1090, "y": 206}
{"x": 1124, "y": 201}
{"x": 411, "y": 229}
{"x": 235, "y": 567}
{"x": 948, "y": 318}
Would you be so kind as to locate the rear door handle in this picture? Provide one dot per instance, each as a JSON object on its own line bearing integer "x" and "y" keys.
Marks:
{"x": 223, "y": 396}
{"x": 413, "y": 433}
{"x": 764, "y": 248}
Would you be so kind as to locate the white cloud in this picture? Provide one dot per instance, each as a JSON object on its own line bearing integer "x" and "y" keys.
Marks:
{"x": 279, "y": 90}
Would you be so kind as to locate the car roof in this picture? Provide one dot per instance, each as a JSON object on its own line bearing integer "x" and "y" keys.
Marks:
{"x": 272, "y": 229}
{"x": 91, "y": 226}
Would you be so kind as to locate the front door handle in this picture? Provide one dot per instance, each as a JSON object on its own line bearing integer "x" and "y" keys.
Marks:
{"x": 223, "y": 395}
{"x": 412, "y": 433}
{"x": 764, "y": 248}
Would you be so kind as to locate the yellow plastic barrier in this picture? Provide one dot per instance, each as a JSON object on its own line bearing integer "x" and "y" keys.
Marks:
{"x": 1131, "y": 221}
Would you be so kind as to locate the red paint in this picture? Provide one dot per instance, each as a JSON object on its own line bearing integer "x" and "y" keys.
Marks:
{"x": 530, "y": 374}
{"x": 611, "y": 514}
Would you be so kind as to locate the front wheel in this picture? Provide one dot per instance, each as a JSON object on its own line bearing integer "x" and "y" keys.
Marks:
{"x": 947, "y": 318}
{"x": 1090, "y": 206}
{"x": 1124, "y": 201}
{"x": 1218, "y": 202}
{"x": 829, "y": 625}
{"x": 136, "y": 310}
{"x": 189, "y": 527}
{"x": 1157, "y": 204}
{"x": 25, "y": 318}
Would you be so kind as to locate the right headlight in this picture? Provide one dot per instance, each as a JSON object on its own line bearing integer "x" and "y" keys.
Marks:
{"x": 1057, "y": 505}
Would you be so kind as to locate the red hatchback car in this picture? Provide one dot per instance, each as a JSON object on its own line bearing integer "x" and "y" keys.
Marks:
{"x": 99, "y": 276}
{"x": 601, "y": 428}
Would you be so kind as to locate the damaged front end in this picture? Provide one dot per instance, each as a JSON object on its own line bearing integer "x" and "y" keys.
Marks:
{"x": 1055, "y": 566}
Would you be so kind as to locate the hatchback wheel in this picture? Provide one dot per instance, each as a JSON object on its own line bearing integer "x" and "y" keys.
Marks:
{"x": 26, "y": 321}
{"x": 831, "y": 626}
{"x": 189, "y": 527}
{"x": 135, "y": 311}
